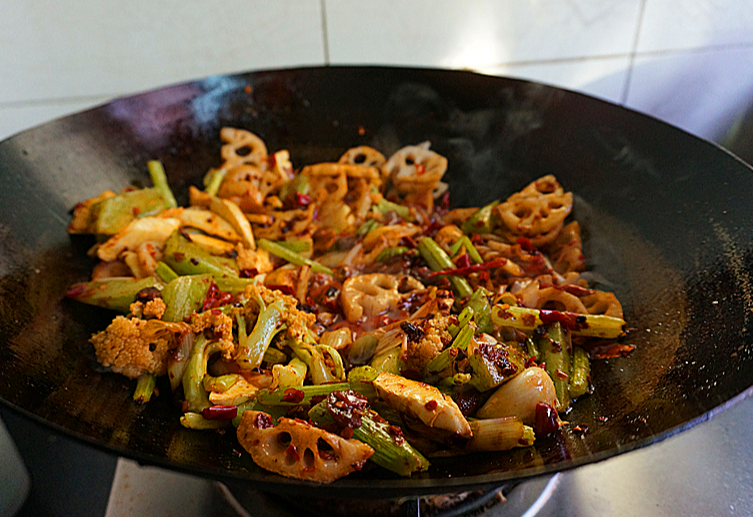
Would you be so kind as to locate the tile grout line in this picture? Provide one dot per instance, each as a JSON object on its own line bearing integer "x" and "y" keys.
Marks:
{"x": 325, "y": 36}
{"x": 633, "y": 52}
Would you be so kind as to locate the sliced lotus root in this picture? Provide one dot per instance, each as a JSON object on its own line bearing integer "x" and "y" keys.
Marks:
{"x": 543, "y": 186}
{"x": 415, "y": 168}
{"x": 531, "y": 216}
{"x": 566, "y": 251}
{"x": 248, "y": 186}
{"x": 535, "y": 297}
{"x": 285, "y": 223}
{"x": 296, "y": 449}
{"x": 370, "y": 295}
{"x": 363, "y": 155}
{"x": 328, "y": 181}
{"x": 600, "y": 302}
{"x": 242, "y": 147}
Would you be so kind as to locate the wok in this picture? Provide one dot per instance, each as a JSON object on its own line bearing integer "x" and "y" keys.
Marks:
{"x": 666, "y": 219}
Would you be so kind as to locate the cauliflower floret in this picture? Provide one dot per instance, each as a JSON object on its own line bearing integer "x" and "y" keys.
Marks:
{"x": 221, "y": 327}
{"x": 152, "y": 309}
{"x": 298, "y": 322}
{"x": 426, "y": 342}
{"x": 133, "y": 346}
{"x": 257, "y": 259}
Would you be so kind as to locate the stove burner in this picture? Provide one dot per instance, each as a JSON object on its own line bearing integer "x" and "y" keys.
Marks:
{"x": 506, "y": 500}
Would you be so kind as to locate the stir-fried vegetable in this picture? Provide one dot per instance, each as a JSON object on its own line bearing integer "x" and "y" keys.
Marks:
{"x": 342, "y": 312}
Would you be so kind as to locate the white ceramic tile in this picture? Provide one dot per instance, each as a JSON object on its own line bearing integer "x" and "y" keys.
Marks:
{"x": 701, "y": 92}
{"x": 51, "y": 49}
{"x": 672, "y": 24}
{"x": 14, "y": 119}
{"x": 452, "y": 34}
{"x": 600, "y": 77}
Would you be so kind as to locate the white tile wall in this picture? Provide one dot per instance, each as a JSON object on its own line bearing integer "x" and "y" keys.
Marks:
{"x": 52, "y": 49}
{"x": 673, "y": 24}
{"x": 672, "y": 59}
{"x": 702, "y": 92}
{"x": 476, "y": 33}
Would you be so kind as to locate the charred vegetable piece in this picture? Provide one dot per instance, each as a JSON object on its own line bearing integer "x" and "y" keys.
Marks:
{"x": 482, "y": 311}
{"x": 520, "y": 395}
{"x": 389, "y": 361}
{"x": 220, "y": 384}
{"x": 112, "y": 293}
{"x": 494, "y": 364}
{"x": 391, "y": 450}
{"x": 290, "y": 375}
{"x": 302, "y": 395}
{"x": 193, "y": 420}
{"x": 499, "y": 434}
{"x": 177, "y": 361}
{"x": 465, "y": 242}
{"x": 391, "y": 252}
{"x": 362, "y": 349}
{"x": 481, "y": 221}
{"x": 384, "y": 206}
{"x": 592, "y": 325}
{"x": 144, "y": 388}
{"x": 213, "y": 180}
{"x": 438, "y": 260}
{"x": 292, "y": 257}
{"x": 159, "y": 180}
{"x": 298, "y": 185}
{"x": 581, "y": 371}
{"x": 251, "y": 348}
{"x": 555, "y": 347}
{"x": 422, "y": 401}
{"x": 187, "y": 258}
{"x": 165, "y": 273}
{"x": 184, "y": 295}
{"x": 366, "y": 227}
{"x": 111, "y": 215}
{"x": 196, "y": 369}
{"x": 447, "y": 356}
{"x": 296, "y": 449}
{"x": 274, "y": 356}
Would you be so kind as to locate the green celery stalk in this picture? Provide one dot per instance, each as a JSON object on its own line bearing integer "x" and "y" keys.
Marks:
{"x": 111, "y": 215}
{"x": 393, "y": 454}
{"x": 111, "y": 293}
{"x": 292, "y": 257}
{"x": 187, "y": 258}
{"x": 184, "y": 295}
{"x": 159, "y": 179}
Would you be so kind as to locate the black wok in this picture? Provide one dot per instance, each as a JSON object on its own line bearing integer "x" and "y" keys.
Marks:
{"x": 666, "y": 217}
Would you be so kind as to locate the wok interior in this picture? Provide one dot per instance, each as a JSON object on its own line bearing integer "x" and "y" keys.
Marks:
{"x": 665, "y": 221}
